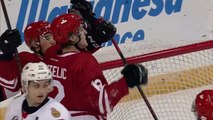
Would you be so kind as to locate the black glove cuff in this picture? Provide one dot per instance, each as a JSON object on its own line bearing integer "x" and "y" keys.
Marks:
{"x": 6, "y": 57}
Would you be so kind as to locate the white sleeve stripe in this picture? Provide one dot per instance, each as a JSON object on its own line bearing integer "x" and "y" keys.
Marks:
{"x": 103, "y": 96}
{"x": 11, "y": 82}
{"x": 97, "y": 84}
{"x": 108, "y": 109}
{"x": 67, "y": 54}
{"x": 10, "y": 86}
{"x": 100, "y": 101}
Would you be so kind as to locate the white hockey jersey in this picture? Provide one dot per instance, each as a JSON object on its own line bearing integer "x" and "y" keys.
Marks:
{"x": 52, "y": 110}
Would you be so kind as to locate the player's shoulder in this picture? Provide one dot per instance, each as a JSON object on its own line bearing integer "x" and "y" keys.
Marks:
{"x": 26, "y": 57}
{"x": 53, "y": 49}
{"x": 51, "y": 52}
{"x": 56, "y": 109}
{"x": 24, "y": 53}
{"x": 56, "y": 104}
{"x": 17, "y": 100}
{"x": 86, "y": 55}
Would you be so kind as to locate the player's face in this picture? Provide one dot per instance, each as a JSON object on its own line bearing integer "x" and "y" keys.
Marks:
{"x": 35, "y": 45}
{"x": 82, "y": 32}
{"x": 46, "y": 41}
{"x": 43, "y": 43}
{"x": 38, "y": 91}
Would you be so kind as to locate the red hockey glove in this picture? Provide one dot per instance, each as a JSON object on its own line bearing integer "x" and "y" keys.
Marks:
{"x": 9, "y": 41}
{"x": 135, "y": 74}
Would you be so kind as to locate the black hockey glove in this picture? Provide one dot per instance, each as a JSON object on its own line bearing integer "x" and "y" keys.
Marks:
{"x": 92, "y": 45}
{"x": 135, "y": 74}
{"x": 103, "y": 31}
{"x": 85, "y": 8}
{"x": 9, "y": 41}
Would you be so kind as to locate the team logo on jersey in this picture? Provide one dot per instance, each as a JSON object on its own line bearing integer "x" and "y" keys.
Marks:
{"x": 55, "y": 113}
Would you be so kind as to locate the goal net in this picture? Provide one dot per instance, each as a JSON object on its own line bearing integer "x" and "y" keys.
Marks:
{"x": 176, "y": 76}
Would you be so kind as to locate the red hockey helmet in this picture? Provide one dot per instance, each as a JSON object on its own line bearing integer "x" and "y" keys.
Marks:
{"x": 36, "y": 29}
{"x": 204, "y": 105}
{"x": 65, "y": 24}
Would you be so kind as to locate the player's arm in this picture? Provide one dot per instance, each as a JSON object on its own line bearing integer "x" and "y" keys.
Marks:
{"x": 9, "y": 71}
{"x": 133, "y": 75}
{"x": 93, "y": 96}
{"x": 9, "y": 41}
{"x": 102, "y": 96}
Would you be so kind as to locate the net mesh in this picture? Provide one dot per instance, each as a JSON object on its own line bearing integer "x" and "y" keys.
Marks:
{"x": 174, "y": 82}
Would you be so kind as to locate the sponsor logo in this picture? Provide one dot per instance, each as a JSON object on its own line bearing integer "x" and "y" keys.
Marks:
{"x": 117, "y": 11}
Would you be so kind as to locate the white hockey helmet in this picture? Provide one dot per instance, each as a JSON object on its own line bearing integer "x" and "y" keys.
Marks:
{"x": 35, "y": 72}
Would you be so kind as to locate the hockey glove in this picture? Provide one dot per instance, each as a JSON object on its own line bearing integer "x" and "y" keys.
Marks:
{"x": 9, "y": 41}
{"x": 92, "y": 45}
{"x": 85, "y": 8}
{"x": 103, "y": 31}
{"x": 135, "y": 74}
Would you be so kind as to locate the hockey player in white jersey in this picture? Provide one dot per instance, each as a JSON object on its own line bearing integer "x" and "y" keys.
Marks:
{"x": 34, "y": 104}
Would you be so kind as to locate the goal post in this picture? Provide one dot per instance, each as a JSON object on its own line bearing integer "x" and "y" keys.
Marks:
{"x": 176, "y": 76}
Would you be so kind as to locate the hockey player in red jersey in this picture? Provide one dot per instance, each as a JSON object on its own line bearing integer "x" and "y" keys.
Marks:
{"x": 99, "y": 31}
{"x": 38, "y": 38}
{"x": 203, "y": 105}
{"x": 9, "y": 71}
{"x": 9, "y": 40}
{"x": 34, "y": 104}
{"x": 81, "y": 85}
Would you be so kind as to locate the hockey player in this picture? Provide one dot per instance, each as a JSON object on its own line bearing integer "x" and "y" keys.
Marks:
{"x": 84, "y": 90}
{"x": 10, "y": 40}
{"x": 38, "y": 38}
{"x": 203, "y": 105}
{"x": 34, "y": 104}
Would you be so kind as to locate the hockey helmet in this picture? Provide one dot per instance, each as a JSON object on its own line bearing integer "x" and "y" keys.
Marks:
{"x": 64, "y": 25}
{"x": 34, "y": 30}
{"x": 35, "y": 72}
{"x": 204, "y": 105}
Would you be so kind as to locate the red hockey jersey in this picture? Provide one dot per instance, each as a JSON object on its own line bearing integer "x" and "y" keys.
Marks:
{"x": 80, "y": 84}
{"x": 10, "y": 75}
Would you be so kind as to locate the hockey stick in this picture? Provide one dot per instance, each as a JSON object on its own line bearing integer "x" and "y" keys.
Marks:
{"x": 139, "y": 88}
{"x": 9, "y": 27}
